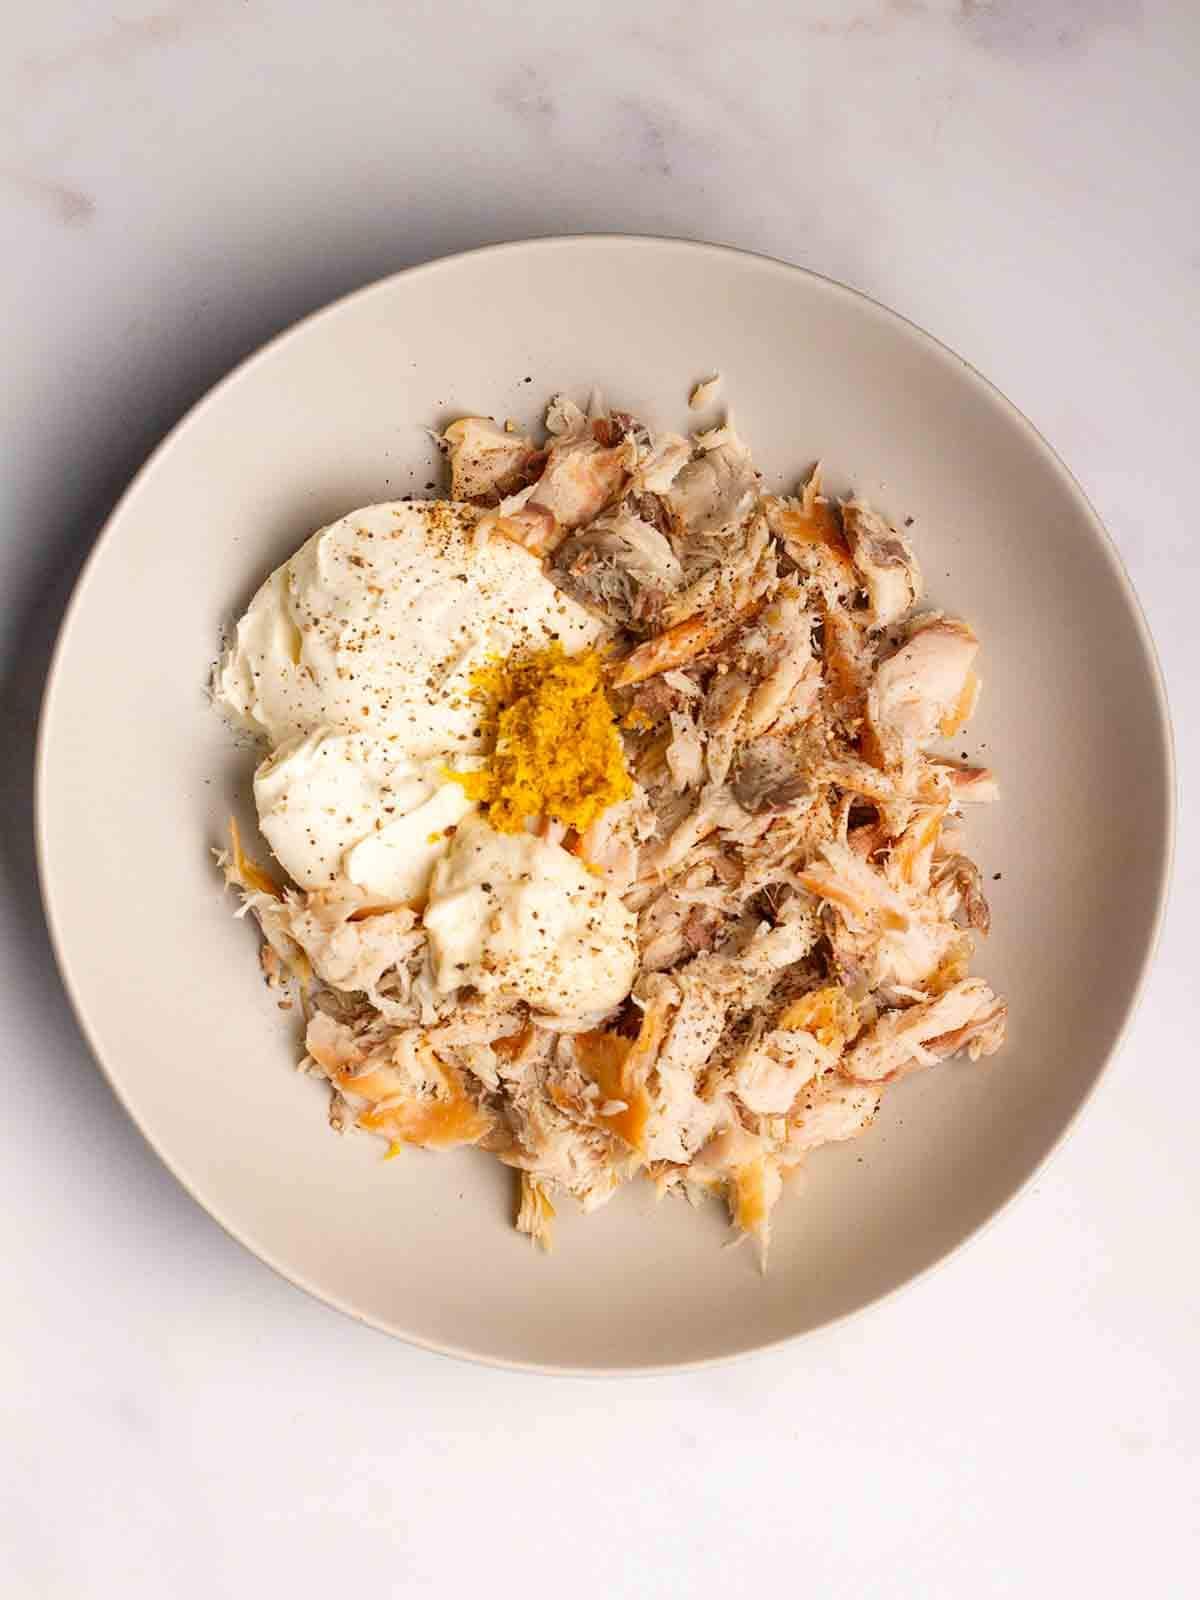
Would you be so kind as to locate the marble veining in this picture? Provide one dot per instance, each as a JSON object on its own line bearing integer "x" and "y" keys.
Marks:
{"x": 1035, "y": 29}
{"x": 71, "y": 206}
{"x": 120, "y": 43}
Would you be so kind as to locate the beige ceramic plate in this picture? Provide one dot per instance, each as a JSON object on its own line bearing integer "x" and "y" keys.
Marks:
{"x": 137, "y": 775}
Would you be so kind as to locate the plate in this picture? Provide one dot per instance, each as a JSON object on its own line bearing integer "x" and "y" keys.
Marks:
{"x": 137, "y": 775}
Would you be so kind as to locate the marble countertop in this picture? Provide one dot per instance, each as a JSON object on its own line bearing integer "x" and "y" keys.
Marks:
{"x": 180, "y": 180}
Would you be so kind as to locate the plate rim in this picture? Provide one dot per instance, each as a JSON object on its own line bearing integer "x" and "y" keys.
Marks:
{"x": 648, "y": 241}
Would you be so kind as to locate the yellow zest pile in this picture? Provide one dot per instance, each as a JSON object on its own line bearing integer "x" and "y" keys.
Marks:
{"x": 558, "y": 753}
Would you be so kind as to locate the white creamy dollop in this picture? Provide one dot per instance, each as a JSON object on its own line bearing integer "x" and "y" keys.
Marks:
{"x": 377, "y": 622}
{"x": 348, "y": 805}
{"x": 513, "y": 914}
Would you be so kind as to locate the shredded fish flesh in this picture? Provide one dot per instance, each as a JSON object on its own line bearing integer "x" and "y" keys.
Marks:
{"x": 769, "y": 804}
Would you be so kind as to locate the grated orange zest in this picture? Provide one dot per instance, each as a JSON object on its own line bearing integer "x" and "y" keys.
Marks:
{"x": 557, "y": 752}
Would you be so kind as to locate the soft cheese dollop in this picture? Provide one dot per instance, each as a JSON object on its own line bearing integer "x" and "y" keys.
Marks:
{"x": 348, "y": 805}
{"x": 514, "y": 914}
{"x": 377, "y": 622}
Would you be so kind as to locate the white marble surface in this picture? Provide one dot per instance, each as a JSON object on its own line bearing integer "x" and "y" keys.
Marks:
{"x": 178, "y": 182}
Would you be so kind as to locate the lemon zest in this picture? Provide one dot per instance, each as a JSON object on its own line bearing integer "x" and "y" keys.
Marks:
{"x": 557, "y": 751}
